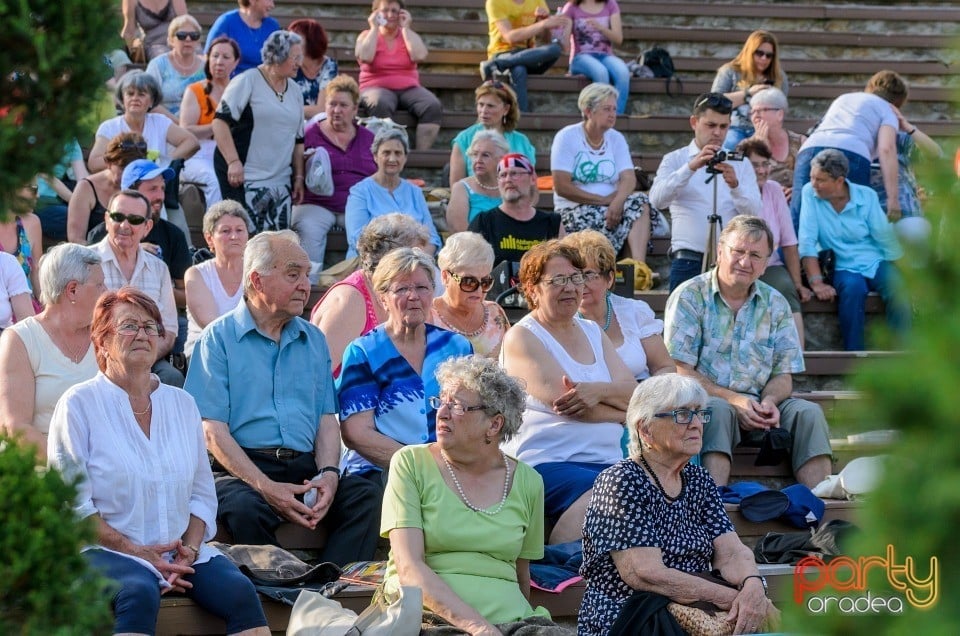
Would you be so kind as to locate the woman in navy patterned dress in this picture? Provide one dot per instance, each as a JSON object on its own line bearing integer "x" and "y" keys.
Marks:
{"x": 655, "y": 521}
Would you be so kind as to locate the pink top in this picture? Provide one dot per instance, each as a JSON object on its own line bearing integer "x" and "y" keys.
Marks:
{"x": 391, "y": 68}
{"x": 487, "y": 340}
{"x": 775, "y": 211}
{"x": 356, "y": 281}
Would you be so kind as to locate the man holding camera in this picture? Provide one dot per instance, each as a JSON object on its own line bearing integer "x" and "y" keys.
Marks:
{"x": 684, "y": 183}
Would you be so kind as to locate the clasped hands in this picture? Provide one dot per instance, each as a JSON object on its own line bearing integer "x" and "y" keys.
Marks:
{"x": 756, "y": 415}
{"x": 282, "y": 497}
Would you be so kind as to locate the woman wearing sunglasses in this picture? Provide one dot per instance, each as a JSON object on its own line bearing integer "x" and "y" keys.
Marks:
{"x": 465, "y": 264}
{"x": 756, "y": 68}
{"x": 88, "y": 203}
{"x": 180, "y": 67}
{"x": 577, "y": 387}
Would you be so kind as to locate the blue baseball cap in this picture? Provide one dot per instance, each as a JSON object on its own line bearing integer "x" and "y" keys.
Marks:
{"x": 141, "y": 170}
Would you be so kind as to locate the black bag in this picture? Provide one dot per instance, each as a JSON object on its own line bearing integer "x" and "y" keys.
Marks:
{"x": 506, "y": 281}
{"x": 658, "y": 60}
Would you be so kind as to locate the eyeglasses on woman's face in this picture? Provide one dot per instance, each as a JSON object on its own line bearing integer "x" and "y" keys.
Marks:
{"x": 405, "y": 290}
{"x": 130, "y": 328}
{"x": 577, "y": 279}
{"x": 455, "y": 408}
{"x": 472, "y": 283}
{"x": 684, "y": 417}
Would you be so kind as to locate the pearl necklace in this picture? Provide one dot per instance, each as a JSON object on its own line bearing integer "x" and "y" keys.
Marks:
{"x": 656, "y": 480}
{"x": 483, "y": 325}
{"x": 484, "y": 186}
{"x": 609, "y": 317}
{"x": 463, "y": 495}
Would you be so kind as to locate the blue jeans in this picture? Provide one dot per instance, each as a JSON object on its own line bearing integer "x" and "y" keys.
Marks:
{"x": 735, "y": 135}
{"x": 523, "y": 62}
{"x": 605, "y": 69}
{"x": 53, "y": 221}
{"x": 852, "y": 291}
{"x": 682, "y": 270}
{"x": 859, "y": 173}
{"x": 218, "y": 587}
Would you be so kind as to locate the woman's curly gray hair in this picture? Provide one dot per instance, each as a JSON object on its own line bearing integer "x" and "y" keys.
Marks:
{"x": 276, "y": 49}
{"x": 385, "y": 234}
{"x": 499, "y": 393}
{"x": 657, "y": 394}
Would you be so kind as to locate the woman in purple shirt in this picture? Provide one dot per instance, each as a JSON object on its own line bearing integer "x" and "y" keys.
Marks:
{"x": 597, "y": 28}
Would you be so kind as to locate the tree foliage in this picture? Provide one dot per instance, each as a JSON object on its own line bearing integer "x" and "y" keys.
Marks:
{"x": 52, "y": 65}
{"x": 45, "y": 585}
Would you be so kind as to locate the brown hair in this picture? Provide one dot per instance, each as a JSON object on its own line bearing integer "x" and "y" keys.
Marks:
{"x": 103, "y": 313}
{"x": 754, "y": 146}
{"x": 505, "y": 94}
{"x": 122, "y": 149}
{"x": 743, "y": 63}
{"x": 535, "y": 260}
{"x": 890, "y": 86}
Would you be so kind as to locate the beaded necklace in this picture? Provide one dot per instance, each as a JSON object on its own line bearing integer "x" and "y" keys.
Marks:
{"x": 483, "y": 324}
{"x": 609, "y": 317}
{"x": 656, "y": 480}
{"x": 463, "y": 495}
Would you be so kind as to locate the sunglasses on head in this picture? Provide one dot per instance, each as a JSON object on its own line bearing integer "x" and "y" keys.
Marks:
{"x": 714, "y": 101}
{"x": 132, "y": 219}
{"x": 760, "y": 53}
{"x": 472, "y": 283}
{"x": 127, "y": 146}
{"x": 497, "y": 84}
{"x": 193, "y": 36}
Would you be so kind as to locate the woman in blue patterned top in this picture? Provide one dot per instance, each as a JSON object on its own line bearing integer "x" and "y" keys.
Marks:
{"x": 388, "y": 374}
{"x": 656, "y": 522}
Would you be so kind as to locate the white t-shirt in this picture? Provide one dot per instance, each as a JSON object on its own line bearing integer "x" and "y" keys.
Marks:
{"x": 852, "y": 123}
{"x": 13, "y": 282}
{"x": 594, "y": 171}
{"x": 154, "y": 133}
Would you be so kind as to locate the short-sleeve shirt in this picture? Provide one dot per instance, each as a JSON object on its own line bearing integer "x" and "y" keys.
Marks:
{"x": 852, "y": 123}
{"x": 150, "y": 275}
{"x": 375, "y": 377}
{"x": 272, "y": 395}
{"x": 628, "y": 511}
{"x": 264, "y": 127}
{"x": 349, "y": 167}
{"x": 154, "y": 133}
{"x": 13, "y": 282}
{"x": 312, "y": 88}
{"x": 740, "y": 350}
{"x": 250, "y": 40}
{"x": 511, "y": 238}
{"x": 519, "y": 15}
{"x": 472, "y": 552}
{"x": 586, "y": 37}
{"x": 593, "y": 171}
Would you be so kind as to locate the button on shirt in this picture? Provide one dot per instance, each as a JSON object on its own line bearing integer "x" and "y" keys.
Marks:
{"x": 740, "y": 350}
{"x": 860, "y": 235}
{"x": 690, "y": 198}
{"x": 271, "y": 395}
{"x": 150, "y": 275}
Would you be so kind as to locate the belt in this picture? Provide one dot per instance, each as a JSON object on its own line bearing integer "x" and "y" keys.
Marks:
{"x": 276, "y": 453}
{"x": 686, "y": 255}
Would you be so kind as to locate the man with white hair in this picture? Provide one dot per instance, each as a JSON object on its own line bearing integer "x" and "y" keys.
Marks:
{"x": 262, "y": 379}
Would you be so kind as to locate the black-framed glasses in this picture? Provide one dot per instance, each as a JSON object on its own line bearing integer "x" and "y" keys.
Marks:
{"x": 133, "y": 328}
{"x": 714, "y": 101}
{"x": 132, "y": 219}
{"x": 760, "y": 53}
{"x": 472, "y": 283}
{"x": 454, "y": 407}
{"x": 193, "y": 36}
{"x": 683, "y": 417}
{"x": 126, "y": 145}
{"x": 575, "y": 278}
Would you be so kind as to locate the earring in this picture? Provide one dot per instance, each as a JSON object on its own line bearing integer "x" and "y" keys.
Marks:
{"x": 487, "y": 440}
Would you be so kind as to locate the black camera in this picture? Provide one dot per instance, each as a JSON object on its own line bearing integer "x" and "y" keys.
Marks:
{"x": 720, "y": 157}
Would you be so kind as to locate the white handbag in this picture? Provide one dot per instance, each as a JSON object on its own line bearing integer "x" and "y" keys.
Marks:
{"x": 315, "y": 615}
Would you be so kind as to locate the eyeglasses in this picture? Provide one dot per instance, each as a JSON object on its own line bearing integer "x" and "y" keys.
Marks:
{"x": 561, "y": 281}
{"x": 193, "y": 36}
{"x": 760, "y": 111}
{"x": 421, "y": 290}
{"x": 761, "y": 165}
{"x": 132, "y": 219}
{"x": 133, "y": 328}
{"x": 455, "y": 408}
{"x": 714, "y": 101}
{"x": 759, "y": 53}
{"x": 683, "y": 417}
{"x": 591, "y": 275}
{"x": 512, "y": 174}
{"x": 472, "y": 283}
{"x": 127, "y": 145}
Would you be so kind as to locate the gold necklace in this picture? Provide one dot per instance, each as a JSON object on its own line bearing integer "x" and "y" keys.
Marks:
{"x": 144, "y": 411}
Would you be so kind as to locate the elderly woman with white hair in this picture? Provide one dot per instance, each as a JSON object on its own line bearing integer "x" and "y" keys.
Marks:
{"x": 593, "y": 177}
{"x": 463, "y": 518}
{"x": 259, "y": 133}
{"x": 466, "y": 261}
{"x": 388, "y": 374}
{"x": 768, "y": 109}
{"x": 386, "y": 191}
{"x": 656, "y": 525}
{"x": 43, "y": 356}
{"x": 215, "y": 286}
{"x": 480, "y": 191}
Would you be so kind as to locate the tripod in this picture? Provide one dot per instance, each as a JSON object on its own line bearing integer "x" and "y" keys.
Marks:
{"x": 713, "y": 234}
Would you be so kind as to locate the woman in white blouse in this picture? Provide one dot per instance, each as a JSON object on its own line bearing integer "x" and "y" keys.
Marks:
{"x": 215, "y": 286}
{"x": 138, "y": 447}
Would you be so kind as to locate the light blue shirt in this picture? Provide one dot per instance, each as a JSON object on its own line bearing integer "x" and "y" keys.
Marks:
{"x": 271, "y": 395}
{"x": 368, "y": 200}
{"x": 860, "y": 235}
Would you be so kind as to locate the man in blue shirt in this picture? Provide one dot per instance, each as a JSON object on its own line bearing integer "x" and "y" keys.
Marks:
{"x": 847, "y": 218}
{"x": 262, "y": 379}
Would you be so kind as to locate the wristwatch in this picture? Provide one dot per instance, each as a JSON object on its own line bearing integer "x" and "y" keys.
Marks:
{"x": 763, "y": 581}
{"x": 330, "y": 469}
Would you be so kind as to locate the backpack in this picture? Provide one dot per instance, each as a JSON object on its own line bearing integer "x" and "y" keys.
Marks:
{"x": 658, "y": 60}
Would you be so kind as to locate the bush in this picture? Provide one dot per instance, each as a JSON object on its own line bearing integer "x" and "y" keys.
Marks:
{"x": 45, "y": 585}
{"x": 52, "y": 65}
